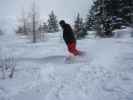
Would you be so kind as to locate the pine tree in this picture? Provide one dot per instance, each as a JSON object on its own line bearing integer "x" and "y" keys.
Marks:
{"x": 111, "y": 14}
{"x": 78, "y": 24}
{"x": 98, "y": 15}
{"x": 89, "y": 24}
{"x": 90, "y": 20}
{"x": 79, "y": 27}
{"x": 127, "y": 10}
{"x": 53, "y": 23}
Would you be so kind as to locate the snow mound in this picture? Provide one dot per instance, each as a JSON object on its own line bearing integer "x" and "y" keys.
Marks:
{"x": 123, "y": 33}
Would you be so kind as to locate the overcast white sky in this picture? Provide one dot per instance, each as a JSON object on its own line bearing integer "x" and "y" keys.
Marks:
{"x": 63, "y": 8}
{"x": 11, "y": 10}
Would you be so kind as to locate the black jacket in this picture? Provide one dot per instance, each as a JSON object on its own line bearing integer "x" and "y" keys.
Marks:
{"x": 68, "y": 34}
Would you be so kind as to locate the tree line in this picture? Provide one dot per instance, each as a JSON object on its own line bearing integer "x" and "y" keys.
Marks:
{"x": 104, "y": 16}
{"x": 108, "y": 15}
{"x": 30, "y": 24}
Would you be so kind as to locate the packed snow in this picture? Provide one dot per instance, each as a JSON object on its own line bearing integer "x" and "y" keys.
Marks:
{"x": 41, "y": 73}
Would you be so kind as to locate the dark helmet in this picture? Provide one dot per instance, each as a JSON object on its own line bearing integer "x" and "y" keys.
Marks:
{"x": 62, "y": 23}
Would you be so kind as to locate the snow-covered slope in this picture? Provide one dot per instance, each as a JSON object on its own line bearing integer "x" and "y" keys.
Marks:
{"x": 104, "y": 73}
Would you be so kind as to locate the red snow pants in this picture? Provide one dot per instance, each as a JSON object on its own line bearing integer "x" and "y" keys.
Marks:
{"x": 72, "y": 48}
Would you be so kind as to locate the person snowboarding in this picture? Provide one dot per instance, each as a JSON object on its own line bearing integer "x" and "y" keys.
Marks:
{"x": 69, "y": 38}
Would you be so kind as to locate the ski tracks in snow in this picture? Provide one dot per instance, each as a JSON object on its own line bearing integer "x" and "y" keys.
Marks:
{"x": 95, "y": 79}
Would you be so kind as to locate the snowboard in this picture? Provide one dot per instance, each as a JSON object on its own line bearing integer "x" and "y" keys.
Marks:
{"x": 74, "y": 59}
